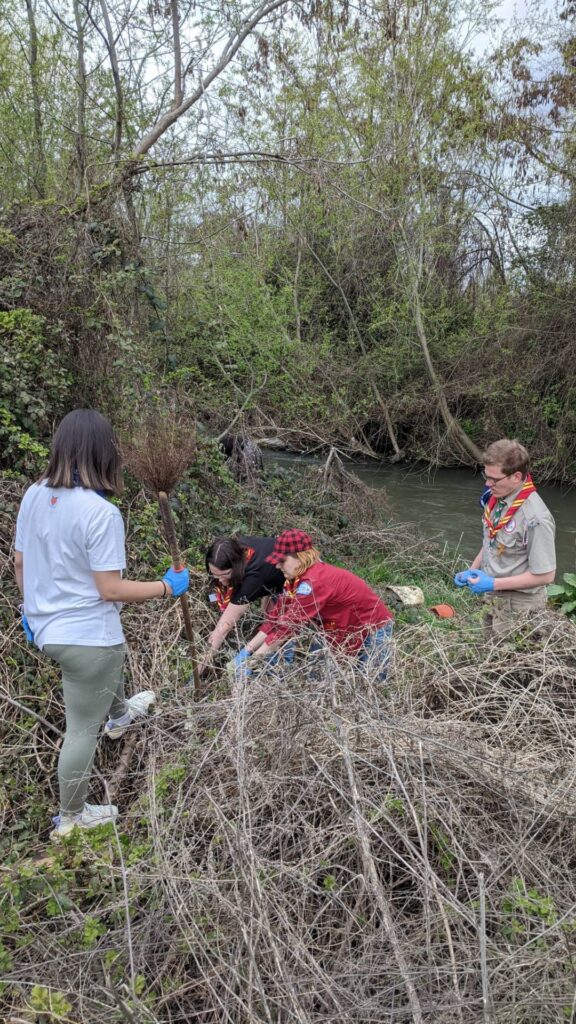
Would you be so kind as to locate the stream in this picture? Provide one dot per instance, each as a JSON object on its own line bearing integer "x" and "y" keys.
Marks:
{"x": 443, "y": 503}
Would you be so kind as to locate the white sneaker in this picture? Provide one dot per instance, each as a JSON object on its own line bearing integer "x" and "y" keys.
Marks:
{"x": 138, "y": 706}
{"x": 92, "y": 815}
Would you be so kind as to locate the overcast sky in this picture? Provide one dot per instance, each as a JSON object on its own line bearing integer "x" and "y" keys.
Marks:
{"x": 512, "y": 14}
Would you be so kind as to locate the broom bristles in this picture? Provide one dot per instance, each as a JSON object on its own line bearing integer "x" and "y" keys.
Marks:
{"x": 160, "y": 452}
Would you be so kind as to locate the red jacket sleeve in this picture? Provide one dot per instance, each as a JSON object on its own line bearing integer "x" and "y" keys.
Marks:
{"x": 290, "y": 613}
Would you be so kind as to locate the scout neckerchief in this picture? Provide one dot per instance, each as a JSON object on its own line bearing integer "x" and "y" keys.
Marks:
{"x": 493, "y": 524}
{"x": 224, "y": 594}
{"x": 291, "y": 586}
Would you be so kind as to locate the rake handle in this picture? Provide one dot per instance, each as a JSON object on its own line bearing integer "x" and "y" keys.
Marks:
{"x": 170, "y": 533}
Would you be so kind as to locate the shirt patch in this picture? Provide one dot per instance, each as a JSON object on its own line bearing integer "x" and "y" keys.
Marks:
{"x": 304, "y": 588}
{"x": 212, "y": 598}
{"x": 53, "y": 501}
{"x": 510, "y": 527}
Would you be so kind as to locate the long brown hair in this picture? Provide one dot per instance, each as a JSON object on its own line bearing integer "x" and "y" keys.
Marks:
{"x": 227, "y": 553}
{"x": 85, "y": 453}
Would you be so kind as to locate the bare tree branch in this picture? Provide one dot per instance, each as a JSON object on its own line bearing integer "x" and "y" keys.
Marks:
{"x": 111, "y": 46}
{"x": 81, "y": 101}
{"x": 231, "y": 48}
{"x": 41, "y": 168}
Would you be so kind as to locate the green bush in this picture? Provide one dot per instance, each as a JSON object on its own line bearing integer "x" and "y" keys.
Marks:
{"x": 564, "y": 594}
{"x": 34, "y": 389}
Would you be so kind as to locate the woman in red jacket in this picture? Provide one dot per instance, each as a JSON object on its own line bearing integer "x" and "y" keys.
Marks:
{"x": 353, "y": 618}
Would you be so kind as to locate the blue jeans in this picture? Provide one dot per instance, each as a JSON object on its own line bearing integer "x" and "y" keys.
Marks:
{"x": 376, "y": 650}
{"x": 285, "y": 656}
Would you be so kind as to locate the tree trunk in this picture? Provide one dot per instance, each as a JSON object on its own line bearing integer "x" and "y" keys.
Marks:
{"x": 41, "y": 170}
{"x": 119, "y": 116}
{"x": 81, "y": 102}
{"x": 455, "y": 431}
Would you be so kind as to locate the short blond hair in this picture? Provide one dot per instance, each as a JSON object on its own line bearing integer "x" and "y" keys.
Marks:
{"x": 306, "y": 559}
{"x": 510, "y": 455}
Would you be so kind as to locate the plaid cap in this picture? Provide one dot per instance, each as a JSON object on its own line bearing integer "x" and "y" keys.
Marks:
{"x": 290, "y": 542}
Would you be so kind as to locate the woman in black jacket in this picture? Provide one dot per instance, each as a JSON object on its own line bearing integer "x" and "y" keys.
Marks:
{"x": 238, "y": 569}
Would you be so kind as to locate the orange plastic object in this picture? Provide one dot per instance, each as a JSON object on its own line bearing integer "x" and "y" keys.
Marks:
{"x": 443, "y": 611}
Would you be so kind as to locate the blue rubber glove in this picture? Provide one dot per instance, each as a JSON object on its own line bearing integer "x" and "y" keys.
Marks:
{"x": 238, "y": 666}
{"x": 178, "y": 580}
{"x": 480, "y": 583}
{"x": 461, "y": 578}
{"x": 26, "y": 626}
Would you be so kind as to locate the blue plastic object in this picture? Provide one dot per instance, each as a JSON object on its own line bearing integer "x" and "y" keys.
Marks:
{"x": 26, "y": 625}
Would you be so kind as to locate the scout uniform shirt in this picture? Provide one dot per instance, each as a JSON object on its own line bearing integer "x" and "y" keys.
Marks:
{"x": 342, "y": 604}
{"x": 525, "y": 544}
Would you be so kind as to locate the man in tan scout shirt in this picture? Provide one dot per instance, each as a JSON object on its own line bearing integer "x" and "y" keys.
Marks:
{"x": 517, "y": 559}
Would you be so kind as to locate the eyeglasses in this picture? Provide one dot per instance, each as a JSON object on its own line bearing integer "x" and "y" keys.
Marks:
{"x": 494, "y": 479}
{"x": 224, "y": 575}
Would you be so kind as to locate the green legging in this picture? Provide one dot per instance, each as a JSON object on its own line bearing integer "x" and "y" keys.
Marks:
{"x": 93, "y": 684}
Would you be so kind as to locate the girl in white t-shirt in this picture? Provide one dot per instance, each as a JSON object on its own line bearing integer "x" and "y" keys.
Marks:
{"x": 69, "y": 561}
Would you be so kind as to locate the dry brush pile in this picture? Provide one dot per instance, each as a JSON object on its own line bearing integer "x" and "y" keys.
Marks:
{"x": 319, "y": 849}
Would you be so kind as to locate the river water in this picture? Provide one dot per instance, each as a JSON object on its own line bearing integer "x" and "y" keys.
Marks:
{"x": 443, "y": 503}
